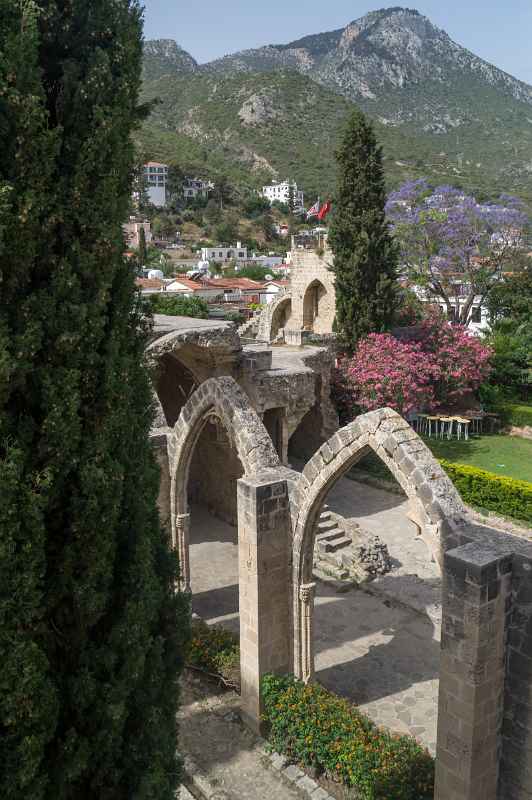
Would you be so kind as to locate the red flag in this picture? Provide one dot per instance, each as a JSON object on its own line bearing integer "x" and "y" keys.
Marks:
{"x": 324, "y": 210}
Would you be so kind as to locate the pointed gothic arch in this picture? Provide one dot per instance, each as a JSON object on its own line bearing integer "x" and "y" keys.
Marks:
{"x": 417, "y": 471}
{"x": 223, "y": 399}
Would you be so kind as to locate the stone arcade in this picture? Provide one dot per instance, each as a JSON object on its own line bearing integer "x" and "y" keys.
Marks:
{"x": 253, "y": 403}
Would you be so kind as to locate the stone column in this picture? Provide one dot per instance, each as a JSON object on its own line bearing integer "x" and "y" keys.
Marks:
{"x": 182, "y": 542}
{"x": 476, "y": 597}
{"x": 264, "y": 576}
{"x": 306, "y": 600}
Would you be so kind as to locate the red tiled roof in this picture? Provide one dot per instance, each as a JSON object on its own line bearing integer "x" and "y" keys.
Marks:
{"x": 149, "y": 283}
{"x": 234, "y": 283}
{"x": 188, "y": 283}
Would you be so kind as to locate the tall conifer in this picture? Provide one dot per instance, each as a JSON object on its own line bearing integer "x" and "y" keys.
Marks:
{"x": 365, "y": 259}
{"x": 90, "y": 629}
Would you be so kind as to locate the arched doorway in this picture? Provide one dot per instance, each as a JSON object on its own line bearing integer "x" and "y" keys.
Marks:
{"x": 280, "y": 317}
{"x": 313, "y": 305}
{"x": 366, "y": 652}
{"x": 174, "y": 384}
{"x": 221, "y": 404}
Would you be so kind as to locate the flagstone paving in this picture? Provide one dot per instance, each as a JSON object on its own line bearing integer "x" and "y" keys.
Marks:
{"x": 382, "y": 656}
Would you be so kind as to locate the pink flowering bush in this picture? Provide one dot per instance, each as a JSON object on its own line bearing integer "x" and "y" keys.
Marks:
{"x": 387, "y": 372}
{"x": 435, "y": 365}
{"x": 462, "y": 361}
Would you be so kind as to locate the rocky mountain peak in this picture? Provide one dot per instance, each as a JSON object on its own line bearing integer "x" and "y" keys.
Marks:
{"x": 166, "y": 57}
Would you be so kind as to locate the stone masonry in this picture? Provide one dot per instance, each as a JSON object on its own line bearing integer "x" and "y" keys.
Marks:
{"x": 484, "y": 747}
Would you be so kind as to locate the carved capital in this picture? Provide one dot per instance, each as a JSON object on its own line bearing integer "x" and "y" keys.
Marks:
{"x": 306, "y": 593}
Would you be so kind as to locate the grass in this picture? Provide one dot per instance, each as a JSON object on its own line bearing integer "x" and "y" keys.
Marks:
{"x": 502, "y": 455}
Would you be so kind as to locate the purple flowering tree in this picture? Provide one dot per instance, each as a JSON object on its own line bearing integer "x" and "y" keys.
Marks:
{"x": 454, "y": 248}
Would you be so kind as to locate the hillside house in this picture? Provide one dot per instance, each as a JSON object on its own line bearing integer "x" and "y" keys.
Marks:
{"x": 282, "y": 191}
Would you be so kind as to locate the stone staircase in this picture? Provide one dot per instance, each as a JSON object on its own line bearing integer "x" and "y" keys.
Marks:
{"x": 250, "y": 329}
{"x": 331, "y": 542}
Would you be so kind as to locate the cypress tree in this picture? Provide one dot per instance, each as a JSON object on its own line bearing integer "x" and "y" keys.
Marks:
{"x": 143, "y": 252}
{"x": 91, "y": 631}
{"x": 365, "y": 257}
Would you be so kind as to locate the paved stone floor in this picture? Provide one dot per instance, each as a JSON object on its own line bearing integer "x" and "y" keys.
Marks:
{"x": 381, "y": 655}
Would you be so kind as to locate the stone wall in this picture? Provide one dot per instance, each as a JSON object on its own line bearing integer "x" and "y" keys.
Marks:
{"x": 310, "y": 273}
{"x": 214, "y": 473}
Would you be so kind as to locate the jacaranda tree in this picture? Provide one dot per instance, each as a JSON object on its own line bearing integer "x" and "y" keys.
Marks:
{"x": 454, "y": 247}
{"x": 91, "y": 631}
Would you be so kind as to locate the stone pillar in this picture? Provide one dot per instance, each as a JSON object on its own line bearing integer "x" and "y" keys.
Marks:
{"x": 306, "y": 600}
{"x": 264, "y": 578}
{"x": 477, "y": 587}
{"x": 182, "y": 542}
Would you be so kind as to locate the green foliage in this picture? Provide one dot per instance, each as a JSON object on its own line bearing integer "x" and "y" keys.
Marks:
{"x": 475, "y": 155}
{"x": 510, "y": 335}
{"x": 179, "y": 306}
{"x": 91, "y": 630}
{"x": 365, "y": 257}
{"x": 143, "y": 253}
{"x": 318, "y": 729}
{"x": 516, "y": 414}
{"x": 505, "y": 496}
{"x": 214, "y": 650}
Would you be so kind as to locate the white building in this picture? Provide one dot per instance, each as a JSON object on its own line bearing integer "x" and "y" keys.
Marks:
{"x": 281, "y": 193}
{"x": 225, "y": 254}
{"x": 271, "y": 290}
{"x": 156, "y": 177}
{"x": 478, "y": 317}
{"x": 194, "y": 187}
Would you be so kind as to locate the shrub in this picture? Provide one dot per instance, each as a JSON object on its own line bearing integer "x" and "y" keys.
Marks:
{"x": 505, "y": 496}
{"x": 318, "y": 729}
{"x": 214, "y": 650}
{"x": 179, "y": 306}
{"x": 387, "y": 372}
{"x": 517, "y": 415}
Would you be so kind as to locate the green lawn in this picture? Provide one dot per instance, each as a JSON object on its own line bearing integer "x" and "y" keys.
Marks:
{"x": 503, "y": 455}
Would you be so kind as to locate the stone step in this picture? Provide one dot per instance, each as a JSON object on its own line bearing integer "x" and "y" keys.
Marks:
{"x": 330, "y": 536}
{"x": 326, "y": 525}
{"x": 325, "y": 516}
{"x": 336, "y": 544}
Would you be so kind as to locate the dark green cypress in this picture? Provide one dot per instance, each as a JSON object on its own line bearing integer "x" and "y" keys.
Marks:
{"x": 143, "y": 252}
{"x": 365, "y": 257}
{"x": 91, "y": 632}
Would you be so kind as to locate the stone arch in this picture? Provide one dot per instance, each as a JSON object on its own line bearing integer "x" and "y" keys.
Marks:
{"x": 314, "y": 302}
{"x": 415, "y": 468}
{"x": 274, "y": 317}
{"x": 223, "y": 399}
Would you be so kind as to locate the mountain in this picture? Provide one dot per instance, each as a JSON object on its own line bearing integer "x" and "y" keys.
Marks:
{"x": 259, "y": 126}
{"x": 165, "y": 57}
{"x": 396, "y": 65}
{"x": 276, "y": 110}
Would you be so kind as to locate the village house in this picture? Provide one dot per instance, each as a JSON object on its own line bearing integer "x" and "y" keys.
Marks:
{"x": 156, "y": 177}
{"x": 223, "y": 254}
{"x": 283, "y": 192}
{"x": 196, "y": 187}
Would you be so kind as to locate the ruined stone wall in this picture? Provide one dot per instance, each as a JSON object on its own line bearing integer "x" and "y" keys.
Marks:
{"x": 308, "y": 267}
{"x": 214, "y": 473}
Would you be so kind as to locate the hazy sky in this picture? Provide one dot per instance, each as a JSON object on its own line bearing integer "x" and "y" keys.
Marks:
{"x": 499, "y": 31}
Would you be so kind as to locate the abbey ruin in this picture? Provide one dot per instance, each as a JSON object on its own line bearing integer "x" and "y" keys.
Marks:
{"x": 234, "y": 417}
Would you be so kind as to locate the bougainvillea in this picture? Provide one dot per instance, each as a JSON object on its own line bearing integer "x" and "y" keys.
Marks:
{"x": 430, "y": 366}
